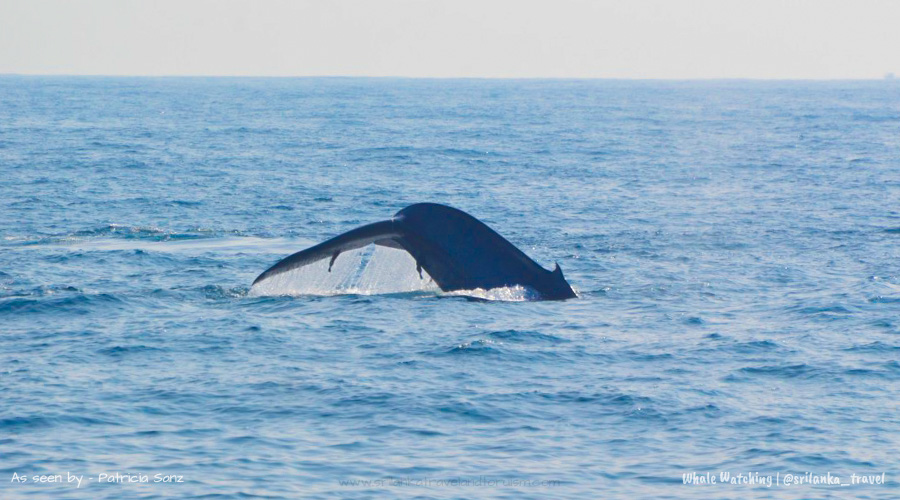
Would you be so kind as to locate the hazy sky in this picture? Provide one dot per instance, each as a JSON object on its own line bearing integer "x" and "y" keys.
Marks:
{"x": 441, "y": 38}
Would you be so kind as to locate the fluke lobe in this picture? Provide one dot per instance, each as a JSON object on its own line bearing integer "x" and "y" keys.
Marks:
{"x": 457, "y": 250}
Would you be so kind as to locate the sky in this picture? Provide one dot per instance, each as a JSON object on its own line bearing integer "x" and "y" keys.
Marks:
{"x": 670, "y": 39}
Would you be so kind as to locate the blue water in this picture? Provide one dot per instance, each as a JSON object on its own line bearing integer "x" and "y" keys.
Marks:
{"x": 734, "y": 246}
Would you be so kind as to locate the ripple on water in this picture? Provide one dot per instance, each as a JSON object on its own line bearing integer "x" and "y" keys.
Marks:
{"x": 125, "y": 350}
{"x": 784, "y": 371}
{"x": 527, "y": 337}
{"x": 81, "y": 304}
{"x": 479, "y": 347}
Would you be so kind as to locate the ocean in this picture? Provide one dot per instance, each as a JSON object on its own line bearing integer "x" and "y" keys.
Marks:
{"x": 734, "y": 246}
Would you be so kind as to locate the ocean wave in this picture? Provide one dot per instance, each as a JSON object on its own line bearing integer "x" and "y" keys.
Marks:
{"x": 60, "y": 305}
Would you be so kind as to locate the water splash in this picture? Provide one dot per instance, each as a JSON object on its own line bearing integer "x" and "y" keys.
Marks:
{"x": 506, "y": 294}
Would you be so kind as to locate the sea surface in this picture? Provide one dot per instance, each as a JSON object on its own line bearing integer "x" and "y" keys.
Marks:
{"x": 734, "y": 245}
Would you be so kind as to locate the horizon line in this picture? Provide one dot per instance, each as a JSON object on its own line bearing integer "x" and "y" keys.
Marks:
{"x": 886, "y": 78}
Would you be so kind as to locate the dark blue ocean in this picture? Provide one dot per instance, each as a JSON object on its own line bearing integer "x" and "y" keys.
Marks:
{"x": 734, "y": 246}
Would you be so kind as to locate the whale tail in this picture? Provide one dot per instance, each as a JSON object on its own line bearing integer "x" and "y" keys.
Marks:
{"x": 379, "y": 233}
{"x": 458, "y": 252}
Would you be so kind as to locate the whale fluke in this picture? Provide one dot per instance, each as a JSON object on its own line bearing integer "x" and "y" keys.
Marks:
{"x": 457, "y": 250}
